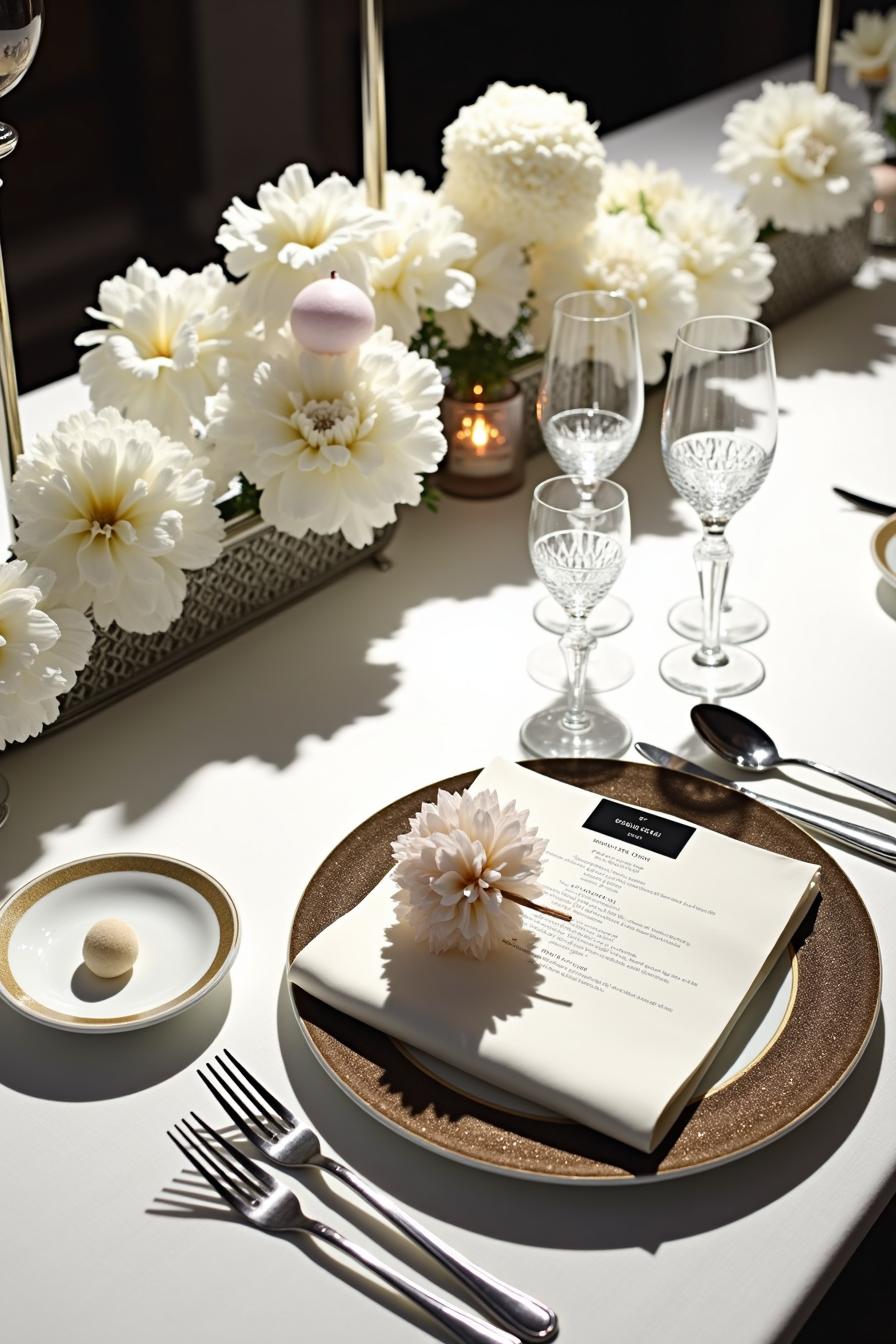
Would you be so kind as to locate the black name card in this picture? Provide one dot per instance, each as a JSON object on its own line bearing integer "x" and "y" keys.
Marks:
{"x": 643, "y": 829}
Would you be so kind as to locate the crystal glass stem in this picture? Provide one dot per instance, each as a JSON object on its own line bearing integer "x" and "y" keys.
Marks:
{"x": 712, "y": 555}
{"x": 577, "y": 644}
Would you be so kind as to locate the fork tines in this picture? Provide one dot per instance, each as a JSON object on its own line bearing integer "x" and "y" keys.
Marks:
{"x": 262, "y": 1110}
{"x": 236, "y": 1178}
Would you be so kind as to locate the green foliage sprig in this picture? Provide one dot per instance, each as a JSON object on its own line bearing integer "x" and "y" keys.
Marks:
{"x": 485, "y": 361}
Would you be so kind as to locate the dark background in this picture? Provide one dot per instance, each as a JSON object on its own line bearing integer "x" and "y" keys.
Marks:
{"x": 140, "y": 119}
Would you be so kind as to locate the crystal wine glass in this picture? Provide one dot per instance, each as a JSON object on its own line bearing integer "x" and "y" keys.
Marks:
{"x": 578, "y": 554}
{"x": 719, "y": 430}
{"x": 590, "y": 407}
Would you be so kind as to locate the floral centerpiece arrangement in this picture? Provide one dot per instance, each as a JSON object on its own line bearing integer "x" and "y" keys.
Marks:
{"x": 205, "y": 408}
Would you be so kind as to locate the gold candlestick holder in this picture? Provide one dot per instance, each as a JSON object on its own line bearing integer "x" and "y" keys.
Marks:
{"x": 21, "y": 23}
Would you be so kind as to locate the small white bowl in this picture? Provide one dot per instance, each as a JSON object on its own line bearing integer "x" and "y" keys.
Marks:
{"x": 186, "y": 925}
{"x": 883, "y": 548}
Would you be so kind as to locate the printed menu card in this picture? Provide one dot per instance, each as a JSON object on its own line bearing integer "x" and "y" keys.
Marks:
{"x": 611, "y": 1019}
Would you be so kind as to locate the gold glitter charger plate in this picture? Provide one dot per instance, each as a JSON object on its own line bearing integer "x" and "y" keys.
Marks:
{"x": 828, "y": 1022}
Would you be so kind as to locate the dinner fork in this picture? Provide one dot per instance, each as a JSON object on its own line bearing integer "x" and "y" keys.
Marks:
{"x": 266, "y": 1203}
{"x": 291, "y": 1142}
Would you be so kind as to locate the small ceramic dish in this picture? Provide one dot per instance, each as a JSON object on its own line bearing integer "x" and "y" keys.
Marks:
{"x": 186, "y": 925}
{"x": 883, "y": 548}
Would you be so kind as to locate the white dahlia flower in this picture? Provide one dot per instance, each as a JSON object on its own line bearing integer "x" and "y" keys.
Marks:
{"x": 454, "y": 866}
{"x": 716, "y": 242}
{"x": 802, "y": 157}
{"x": 623, "y": 254}
{"x": 43, "y": 646}
{"x": 334, "y": 441}
{"x": 868, "y": 50}
{"x": 162, "y": 354}
{"x": 298, "y": 232}
{"x": 636, "y": 187}
{"x": 500, "y": 273}
{"x": 419, "y": 260}
{"x": 118, "y": 512}
{"x": 525, "y": 163}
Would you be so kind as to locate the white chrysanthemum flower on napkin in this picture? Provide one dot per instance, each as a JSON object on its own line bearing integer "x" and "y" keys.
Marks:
{"x": 43, "y": 646}
{"x": 868, "y": 49}
{"x": 636, "y": 187}
{"x": 500, "y": 273}
{"x": 803, "y": 157}
{"x": 298, "y": 232}
{"x": 118, "y": 512}
{"x": 623, "y": 254}
{"x": 162, "y": 354}
{"x": 717, "y": 243}
{"x": 420, "y": 258}
{"x": 525, "y": 163}
{"x": 334, "y": 441}
{"x": 454, "y": 866}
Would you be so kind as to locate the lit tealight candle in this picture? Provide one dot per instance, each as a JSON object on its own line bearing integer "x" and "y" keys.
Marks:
{"x": 331, "y": 317}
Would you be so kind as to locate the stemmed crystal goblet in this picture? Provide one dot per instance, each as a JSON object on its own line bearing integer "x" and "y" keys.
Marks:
{"x": 719, "y": 430}
{"x": 578, "y": 554}
{"x": 590, "y": 408}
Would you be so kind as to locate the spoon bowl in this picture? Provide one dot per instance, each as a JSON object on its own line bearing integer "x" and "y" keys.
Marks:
{"x": 737, "y": 739}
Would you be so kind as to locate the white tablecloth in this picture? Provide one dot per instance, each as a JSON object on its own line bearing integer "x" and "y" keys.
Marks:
{"x": 255, "y": 760}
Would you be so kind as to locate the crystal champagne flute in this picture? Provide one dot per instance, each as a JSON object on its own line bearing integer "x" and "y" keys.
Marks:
{"x": 590, "y": 408}
{"x": 578, "y": 553}
{"x": 719, "y": 430}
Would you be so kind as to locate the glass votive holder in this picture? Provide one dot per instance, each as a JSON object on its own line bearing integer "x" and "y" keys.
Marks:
{"x": 486, "y": 445}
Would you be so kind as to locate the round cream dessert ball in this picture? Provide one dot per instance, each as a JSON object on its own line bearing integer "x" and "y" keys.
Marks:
{"x": 110, "y": 948}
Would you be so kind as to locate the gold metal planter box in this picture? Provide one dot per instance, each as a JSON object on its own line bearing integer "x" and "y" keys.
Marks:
{"x": 260, "y": 571}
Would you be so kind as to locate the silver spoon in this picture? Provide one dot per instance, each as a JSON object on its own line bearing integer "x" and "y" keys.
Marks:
{"x": 4, "y": 794}
{"x": 738, "y": 740}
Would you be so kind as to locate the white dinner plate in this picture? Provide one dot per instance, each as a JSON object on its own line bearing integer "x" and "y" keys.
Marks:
{"x": 187, "y": 929}
{"x": 883, "y": 548}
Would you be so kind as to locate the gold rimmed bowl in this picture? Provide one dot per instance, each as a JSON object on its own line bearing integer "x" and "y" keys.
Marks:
{"x": 186, "y": 924}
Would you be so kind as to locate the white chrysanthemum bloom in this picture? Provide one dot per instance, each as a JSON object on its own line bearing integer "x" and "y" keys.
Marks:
{"x": 802, "y": 157}
{"x": 298, "y": 232}
{"x": 868, "y": 50}
{"x": 118, "y": 512}
{"x": 716, "y": 242}
{"x": 622, "y": 254}
{"x": 500, "y": 273}
{"x": 634, "y": 187}
{"x": 162, "y": 354}
{"x": 420, "y": 259}
{"x": 43, "y": 646}
{"x": 334, "y": 441}
{"x": 525, "y": 163}
{"x": 454, "y": 866}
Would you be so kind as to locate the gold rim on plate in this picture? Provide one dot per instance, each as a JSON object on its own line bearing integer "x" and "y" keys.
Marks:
{"x": 879, "y": 543}
{"x": 22, "y": 900}
{"x": 829, "y": 1020}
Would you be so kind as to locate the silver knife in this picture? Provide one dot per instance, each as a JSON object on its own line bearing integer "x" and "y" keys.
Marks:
{"x": 876, "y": 843}
{"x": 863, "y": 502}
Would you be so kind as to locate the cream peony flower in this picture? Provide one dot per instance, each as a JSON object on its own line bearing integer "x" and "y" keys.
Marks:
{"x": 334, "y": 441}
{"x": 500, "y": 273}
{"x": 118, "y": 512}
{"x": 299, "y": 232}
{"x": 716, "y": 242}
{"x": 43, "y": 647}
{"x": 803, "y": 157}
{"x": 453, "y": 866}
{"x": 524, "y": 163}
{"x": 162, "y": 354}
{"x": 623, "y": 254}
{"x": 635, "y": 187}
{"x": 868, "y": 50}
{"x": 419, "y": 259}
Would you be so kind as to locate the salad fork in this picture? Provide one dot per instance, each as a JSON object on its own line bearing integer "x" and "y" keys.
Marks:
{"x": 266, "y": 1203}
{"x": 291, "y": 1142}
